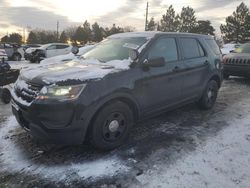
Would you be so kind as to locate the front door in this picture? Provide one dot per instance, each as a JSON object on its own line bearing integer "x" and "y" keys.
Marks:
{"x": 161, "y": 86}
{"x": 51, "y": 51}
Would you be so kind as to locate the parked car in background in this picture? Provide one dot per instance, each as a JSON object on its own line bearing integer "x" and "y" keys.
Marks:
{"x": 237, "y": 63}
{"x": 47, "y": 51}
{"x": 13, "y": 51}
{"x": 122, "y": 80}
{"x": 26, "y": 46}
{"x": 3, "y": 55}
{"x": 228, "y": 48}
{"x": 67, "y": 57}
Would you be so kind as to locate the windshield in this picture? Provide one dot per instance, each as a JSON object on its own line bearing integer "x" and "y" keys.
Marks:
{"x": 113, "y": 49}
{"x": 245, "y": 48}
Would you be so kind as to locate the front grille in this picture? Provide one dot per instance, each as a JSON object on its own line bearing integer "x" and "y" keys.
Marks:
{"x": 233, "y": 61}
{"x": 27, "y": 91}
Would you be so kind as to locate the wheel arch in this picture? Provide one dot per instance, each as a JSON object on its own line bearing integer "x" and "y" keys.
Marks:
{"x": 217, "y": 79}
{"x": 123, "y": 97}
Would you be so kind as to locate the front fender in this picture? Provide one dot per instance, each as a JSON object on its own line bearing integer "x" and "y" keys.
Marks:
{"x": 123, "y": 95}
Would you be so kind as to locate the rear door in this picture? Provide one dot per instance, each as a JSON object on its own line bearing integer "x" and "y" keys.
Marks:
{"x": 196, "y": 67}
{"x": 161, "y": 86}
{"x": 63, "y": 49}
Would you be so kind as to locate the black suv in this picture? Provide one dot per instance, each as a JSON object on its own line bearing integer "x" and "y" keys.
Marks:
{"x": 237, "y": 63}
{"x": 125, "y": 78}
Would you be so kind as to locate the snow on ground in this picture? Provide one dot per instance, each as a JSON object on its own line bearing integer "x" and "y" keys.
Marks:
{"x": 13, "y": 160}
{"x": 221, "y": 161}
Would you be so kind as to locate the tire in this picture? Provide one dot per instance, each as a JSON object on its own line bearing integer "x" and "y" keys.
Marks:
{"x": 209, "y": 96}
{"x": 5, "y": 96}
{"x": 111, "y": 126}
{"x": 226, "y": 76}
{"x": 17, "y": 57}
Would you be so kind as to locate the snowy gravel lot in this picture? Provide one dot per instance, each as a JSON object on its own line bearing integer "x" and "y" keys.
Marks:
{"x": 182, "y": 148}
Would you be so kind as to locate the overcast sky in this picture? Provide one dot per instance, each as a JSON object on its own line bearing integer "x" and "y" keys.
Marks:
{"x": 16, "y": 14}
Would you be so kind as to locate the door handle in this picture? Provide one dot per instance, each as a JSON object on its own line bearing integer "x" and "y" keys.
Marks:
{"x": 176, "y": 69}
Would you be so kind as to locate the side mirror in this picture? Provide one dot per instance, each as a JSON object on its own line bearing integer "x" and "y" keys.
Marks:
{"x": 75, "y": 50}
{"x": 133, "y": 54}
{"x": 157, "y": 62}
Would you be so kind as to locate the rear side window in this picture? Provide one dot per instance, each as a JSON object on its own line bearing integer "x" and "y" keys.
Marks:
{"x": 61, "y": 46}
{"x": 166, "y": 48}
{"x": 213, "y": 46}
{"x": 52, "y": 47}
{"x": 191, "y": 48}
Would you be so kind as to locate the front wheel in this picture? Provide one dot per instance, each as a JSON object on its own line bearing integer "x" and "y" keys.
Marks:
{"x": 111, "y": 126}
{"x": 5, "y": 96}
{"x": 226, "y": 76}
{"x": 17, "y": 57}
{"x": 209, "y": 96}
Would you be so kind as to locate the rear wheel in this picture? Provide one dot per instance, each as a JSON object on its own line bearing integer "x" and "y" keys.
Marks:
{"x": 17, "y": 57}
{"x": 209, "y": 96}
{"x": 226, "y": 76}
{"x": 111, "y": 126}
{"x": 5, "y": 96}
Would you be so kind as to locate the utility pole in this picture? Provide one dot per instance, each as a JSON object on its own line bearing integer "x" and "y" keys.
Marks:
{"x": 146, "y": 22}
{"x": 24, "y": 38}
{"x": 57, "y": 30}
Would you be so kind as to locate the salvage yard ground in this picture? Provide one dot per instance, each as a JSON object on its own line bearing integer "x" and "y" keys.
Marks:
{"x": 182, "y": 148}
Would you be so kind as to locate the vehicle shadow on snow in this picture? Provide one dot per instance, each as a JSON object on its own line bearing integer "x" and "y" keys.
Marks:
{"x": 164, "y": 131}
{"x": 173, "y": 133}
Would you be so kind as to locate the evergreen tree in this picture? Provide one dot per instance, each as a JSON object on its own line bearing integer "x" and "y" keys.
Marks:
{"x": 187, "y": 20}
{"x": 237, "y": 27}
{"x": 32, "y": 38}
{"x": 14, "y": 38}
{"x": 204, "y": 27}
{"x": 79, "y": 35}
{"x": 169, "y": 21}
{"x": 151, "y": 25}
{"x": 87, "y": 33}
{"x": 115, "y": 30}
{"x": 63, "y": 37}
{"x": 97, "y": 32}
{"x": 5, "y": 39}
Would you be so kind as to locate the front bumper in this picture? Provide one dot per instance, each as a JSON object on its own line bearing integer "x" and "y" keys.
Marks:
{"x": 236, "y": 70}
{"x": 52, "y": 123}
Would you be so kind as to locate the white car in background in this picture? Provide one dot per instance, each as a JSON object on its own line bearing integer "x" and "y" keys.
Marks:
{"x": 67, "y": 57}
{"x": 228, "y": 48}
{"x": 47, "y": 51}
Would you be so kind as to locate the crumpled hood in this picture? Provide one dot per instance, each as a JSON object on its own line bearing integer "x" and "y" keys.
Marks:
{"x": 238, "y": 56}
{"x": 31, "y": 49}
{"x": 77, "y": 70}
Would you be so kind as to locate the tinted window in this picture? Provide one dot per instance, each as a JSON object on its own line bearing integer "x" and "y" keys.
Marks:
{"x": 202, "y": 53}
{"x": 191, "y": 48}
{"x": 166, "y": 48}
{"x": 61, "y": 46}
{"x": 214, "y": 46}
{"x": 52, "y": 47}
